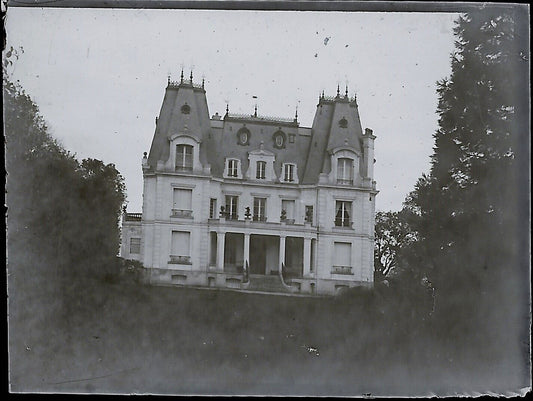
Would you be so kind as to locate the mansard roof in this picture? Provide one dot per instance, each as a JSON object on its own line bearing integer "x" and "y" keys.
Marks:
{"x": 185, "y": 111}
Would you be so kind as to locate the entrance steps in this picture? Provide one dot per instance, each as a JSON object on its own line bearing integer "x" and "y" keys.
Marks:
{"x": 259, "y": 282}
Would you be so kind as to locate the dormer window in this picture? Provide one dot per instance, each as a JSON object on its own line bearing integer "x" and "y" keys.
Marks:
{"x": 289, "y": 172}
{"x": 184, "y": 158}
{"x": 260, "y": 170}
{"x": 344, "y": 171}
{"x": 232, "y": 167}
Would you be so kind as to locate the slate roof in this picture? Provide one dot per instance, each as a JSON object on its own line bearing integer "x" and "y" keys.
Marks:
{"x": 307, "y": 147}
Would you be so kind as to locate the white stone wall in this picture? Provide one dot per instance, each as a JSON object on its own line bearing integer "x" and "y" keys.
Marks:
{"x": 158, "y": 225}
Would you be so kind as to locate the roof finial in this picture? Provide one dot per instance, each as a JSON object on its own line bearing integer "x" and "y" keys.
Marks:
{"x": 346, "y": 93}
{"x": 255, "y": 111}
{"x": 168, "y": 79}
{"x": 182, "y": 75}
{"x": 296, "y": 114}
{"x": 323, "y": 94}
{"x": 338, "y": 90}
{"x": 227, "y": 108}
{"x": 203, "y": 83}
{"x": 191, "y": 76}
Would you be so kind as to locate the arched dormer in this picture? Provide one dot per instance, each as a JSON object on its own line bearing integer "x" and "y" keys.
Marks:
{"x": 184, "y": 153}
{"x": 345, "y": 162}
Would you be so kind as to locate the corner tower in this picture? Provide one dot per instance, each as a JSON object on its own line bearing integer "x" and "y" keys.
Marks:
{"x": 184, "y": 112}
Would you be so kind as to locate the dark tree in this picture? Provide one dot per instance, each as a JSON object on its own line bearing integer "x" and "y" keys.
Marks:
{"x": 471, "y": 211}
{"x": 62, "y": 216}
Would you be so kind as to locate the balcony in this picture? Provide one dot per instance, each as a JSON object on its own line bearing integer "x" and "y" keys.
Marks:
{"x": 187, "y": 214}
{"x": 288, "y": 221}
{"x": 133, "y": 217}
{"x": 186, "y": 169}
{"x": 347, "y": 270}
{"x": 260, "y": 218}
{"x": 340, "y": 223}
{"x": 180, "y": 260}
{"x": 341, "y": 181}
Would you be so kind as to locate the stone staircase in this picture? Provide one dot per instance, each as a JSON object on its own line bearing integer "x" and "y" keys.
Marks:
{"x": 265, "y": 283}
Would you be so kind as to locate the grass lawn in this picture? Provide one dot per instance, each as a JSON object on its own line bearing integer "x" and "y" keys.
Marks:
{"x": 126, "y": 338}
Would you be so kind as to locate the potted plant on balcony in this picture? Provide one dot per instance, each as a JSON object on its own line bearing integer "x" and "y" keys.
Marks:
{"x": 308, "y": 217}
{"x": 222, "y": 214}
{"x": 247, "y": 215}
{"x": 283, "y": 216}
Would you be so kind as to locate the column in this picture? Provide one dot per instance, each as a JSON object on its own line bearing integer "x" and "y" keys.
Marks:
{"x": 281, "y": 252}
{"x": 246, "y": 250}
{"x": 221, "y": 237}
{"x": 307, "y": 257}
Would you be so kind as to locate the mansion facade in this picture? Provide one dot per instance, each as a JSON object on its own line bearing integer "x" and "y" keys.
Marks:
{"x": 255, "y": 203}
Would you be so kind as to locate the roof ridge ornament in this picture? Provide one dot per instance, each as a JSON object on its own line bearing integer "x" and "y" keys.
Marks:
{"x": 191, "y": 76}
{"x": 181, "y": 75}
{"x": 338, "y": 90}
{"x": 346, "y": 93}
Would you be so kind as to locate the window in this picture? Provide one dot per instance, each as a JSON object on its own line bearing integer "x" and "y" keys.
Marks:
{"x": 182, "y": 202}
{"x": 343, "y": 258}
{"x": 287, "y": 207}
{"x": 135, "y": 245}
{"x": 185, "y": 109}
{"x": 260, "y": 170}
{"x": 180, "y": 251}
{"x": 231, "y": 207}
{"x": 243, "y": 136}
{"x": 288, "y": 174}
{"x": 232, "y": 168}
{"x": 342, "y": 213}
{"x": 259, "y": 209}
{"x": 183, "y": 158}
{"x": 344, "y": 171}
{"x": 213, "y": 208}
{"x": 309, "y": 214}
{"x": 279, "y": 139}
{"x": 343, "y": 122}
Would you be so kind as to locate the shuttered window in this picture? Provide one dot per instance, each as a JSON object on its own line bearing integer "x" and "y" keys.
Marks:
{"x": 182, "y": 199}
{"x": 181, "y": 243}
{"x": 343, "y": 254}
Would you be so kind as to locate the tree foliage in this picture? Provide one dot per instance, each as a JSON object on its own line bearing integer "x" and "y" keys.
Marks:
{"x": 62, "y": 215}
{"x": 469, "y": 212}
{"x": 392, "y": 235}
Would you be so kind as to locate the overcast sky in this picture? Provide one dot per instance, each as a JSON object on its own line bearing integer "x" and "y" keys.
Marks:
{"x": 99, "y": 76}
